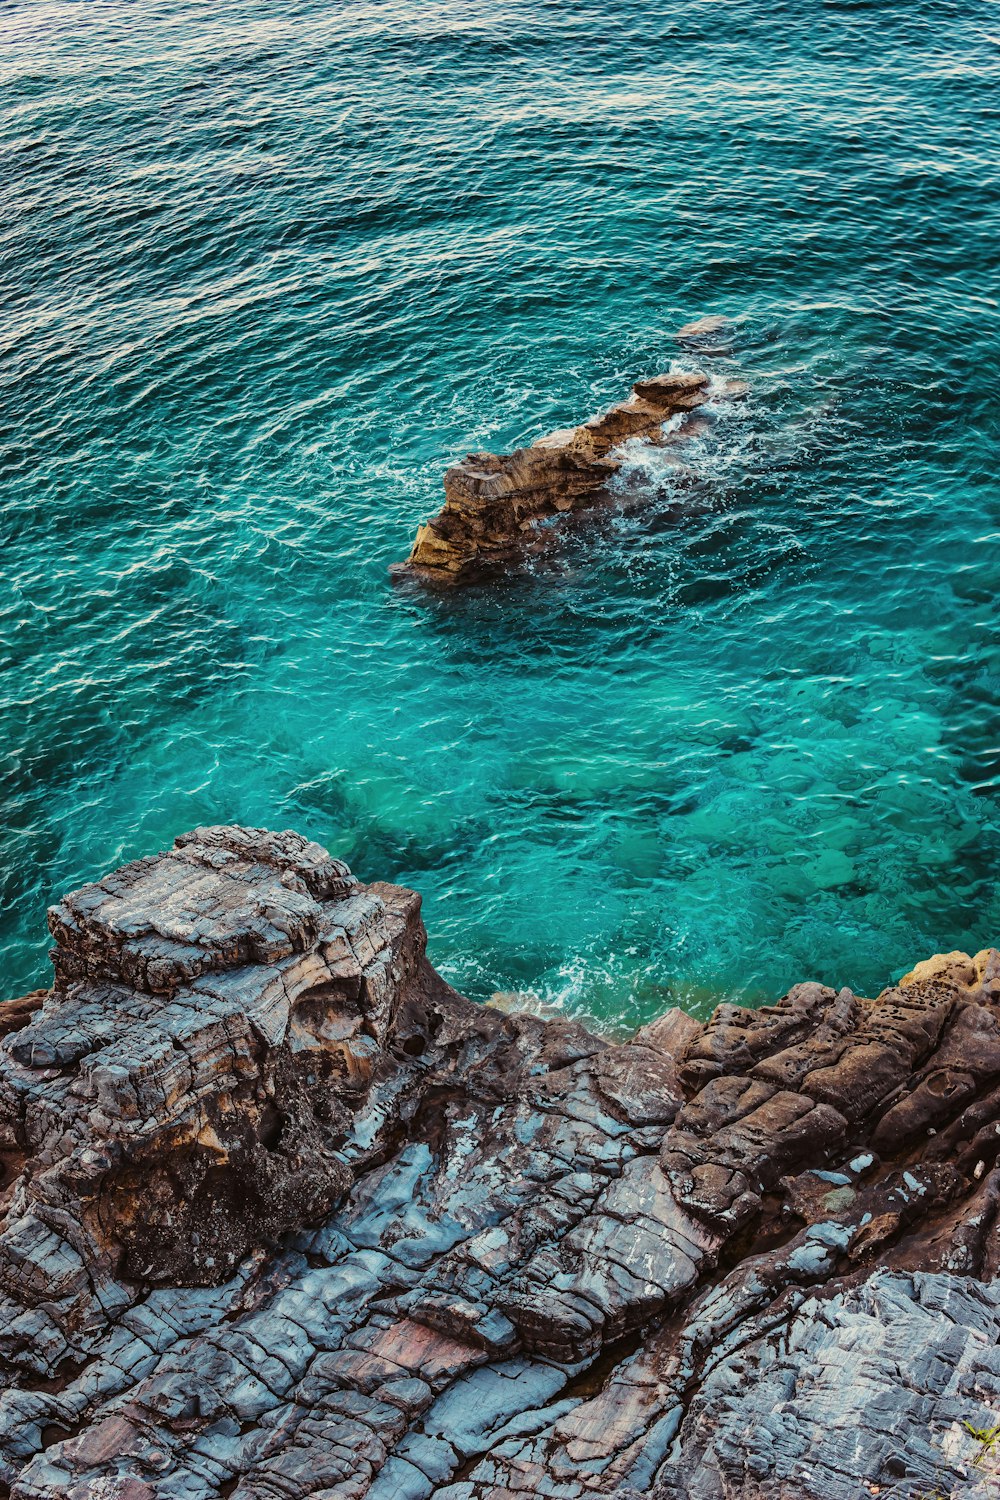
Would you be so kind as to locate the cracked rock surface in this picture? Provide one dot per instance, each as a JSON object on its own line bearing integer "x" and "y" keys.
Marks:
{"x": 282, "y": 1215}
{"x": 499, "y": 507}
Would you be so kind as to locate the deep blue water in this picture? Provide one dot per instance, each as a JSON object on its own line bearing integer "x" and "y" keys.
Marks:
{"x": 268, "y": 269}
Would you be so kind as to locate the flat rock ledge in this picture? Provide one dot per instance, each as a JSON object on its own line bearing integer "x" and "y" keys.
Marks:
{"x": 283, "y": 1215}
{"x": 498, "y": 508}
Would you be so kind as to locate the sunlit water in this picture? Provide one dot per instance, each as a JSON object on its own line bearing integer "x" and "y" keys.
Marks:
{"x": 268, "y": 269}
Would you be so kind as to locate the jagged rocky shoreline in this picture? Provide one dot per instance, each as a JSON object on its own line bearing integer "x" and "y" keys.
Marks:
{"x": 285, "y": 1216}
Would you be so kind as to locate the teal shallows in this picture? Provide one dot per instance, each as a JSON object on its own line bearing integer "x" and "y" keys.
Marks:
{"x": 268, "y": 269}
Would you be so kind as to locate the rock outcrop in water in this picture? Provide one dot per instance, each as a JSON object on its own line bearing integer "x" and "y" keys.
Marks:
{"x": 497, "y": 507}
{"x": 285, "y": 1216}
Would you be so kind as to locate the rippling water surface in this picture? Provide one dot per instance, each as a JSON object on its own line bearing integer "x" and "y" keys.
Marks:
{"x": 267, "y": 269}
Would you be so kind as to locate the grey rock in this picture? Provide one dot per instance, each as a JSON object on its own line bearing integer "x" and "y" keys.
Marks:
{"x": 285, "y": 1216}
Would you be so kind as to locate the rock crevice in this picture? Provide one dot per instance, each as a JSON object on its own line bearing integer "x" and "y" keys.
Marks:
{"x": 283, "y": 1215}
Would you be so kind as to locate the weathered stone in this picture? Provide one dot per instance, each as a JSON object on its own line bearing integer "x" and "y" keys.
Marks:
{"x": 184, "y": 1089}
{"x": 497, "y": 506}
{"x": 285, "y": 1216}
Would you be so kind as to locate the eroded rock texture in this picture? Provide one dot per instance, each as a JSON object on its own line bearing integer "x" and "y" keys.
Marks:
{"x": 285, "y": 1216}
{"x": 497, "y": 507}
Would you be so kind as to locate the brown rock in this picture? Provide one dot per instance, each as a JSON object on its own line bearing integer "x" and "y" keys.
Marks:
{"x": 17, "y": 1013}
{"x": 673, "y": 1032}
{"x": 495, "y": 504}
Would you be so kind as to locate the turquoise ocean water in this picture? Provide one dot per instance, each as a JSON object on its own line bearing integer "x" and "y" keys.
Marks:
{"x": 268, "y": 269}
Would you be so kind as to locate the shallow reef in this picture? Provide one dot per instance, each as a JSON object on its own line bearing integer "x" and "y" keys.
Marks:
{"x": 284, "y": 1215}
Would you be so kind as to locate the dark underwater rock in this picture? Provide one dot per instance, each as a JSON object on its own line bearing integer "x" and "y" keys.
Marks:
{"x": 285, "y": 1216}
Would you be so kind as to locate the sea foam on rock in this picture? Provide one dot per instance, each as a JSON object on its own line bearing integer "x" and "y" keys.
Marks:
{"x": 496, "y": 505}
{"x": 283, "y": 1215}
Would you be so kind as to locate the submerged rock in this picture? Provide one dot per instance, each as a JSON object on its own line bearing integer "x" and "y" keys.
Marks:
{"x": 285, "y": 1216}
{"x": 711, "y": 335}
{"x": 496, "y": 506}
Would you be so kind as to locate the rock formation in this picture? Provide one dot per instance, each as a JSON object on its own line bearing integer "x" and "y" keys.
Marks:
{"x": 285, "y": 1216}
{"x": 498, "y": 507}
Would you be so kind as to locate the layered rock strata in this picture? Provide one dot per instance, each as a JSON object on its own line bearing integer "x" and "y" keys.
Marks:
{"x": 285, "y": 1216}
{"x": 498, "y": 507}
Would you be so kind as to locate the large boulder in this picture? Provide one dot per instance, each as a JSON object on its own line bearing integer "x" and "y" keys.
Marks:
{"x": 182, "y": 1094}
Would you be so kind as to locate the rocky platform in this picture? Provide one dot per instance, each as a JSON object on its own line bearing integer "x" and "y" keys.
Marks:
{"x": 284, "y": 1216}
{"x": 499, "y": 507}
